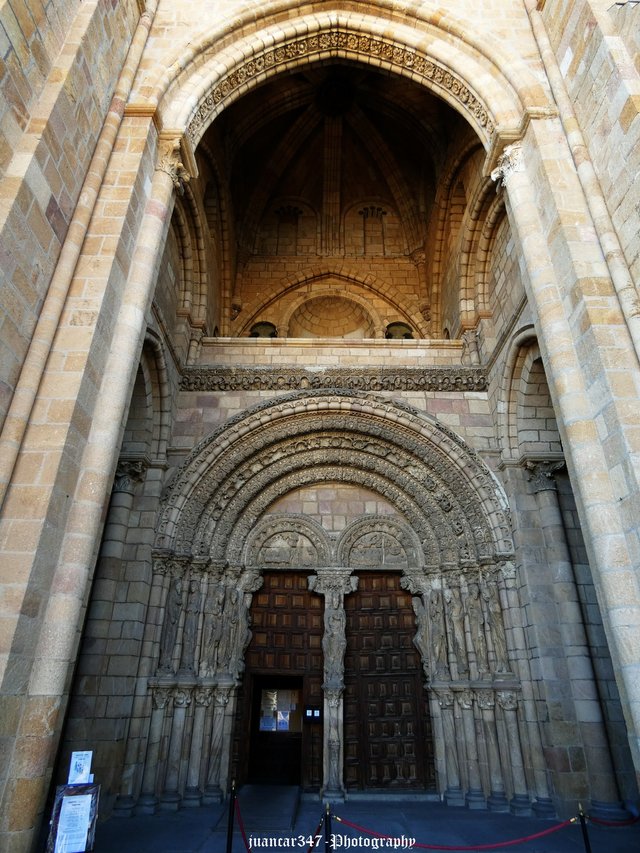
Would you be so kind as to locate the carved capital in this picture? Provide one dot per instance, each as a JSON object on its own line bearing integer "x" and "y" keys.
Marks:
{"x": 445, "y": 698}
{"x": 171, "y": 163}
{"x": 542, "y": 474}
{"x": 221, "y": 696}
{"x": 333, "y": 583}
{"x": 181, "y": 697}
{"x": 507, "y": 699}
{"x": 203, "y": 696}
{"x": 160, "y": 697}
{"x": 510, "y": 161}
{"x": 129, "y": 473}
{"x": 465, "y": 698}
{"x": 416, "y": 582}
{"x": 485, "y": 699}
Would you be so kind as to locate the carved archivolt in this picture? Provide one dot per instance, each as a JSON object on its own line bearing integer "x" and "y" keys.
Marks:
{"x": 339, "y": 39}
{"x": 439, "y": 485}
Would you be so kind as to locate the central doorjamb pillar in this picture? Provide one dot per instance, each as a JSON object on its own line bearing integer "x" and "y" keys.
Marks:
{"x": 334, "y": 584}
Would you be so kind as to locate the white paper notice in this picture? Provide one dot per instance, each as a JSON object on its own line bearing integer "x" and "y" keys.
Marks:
{"x": 80, "y": 768}
{"x": 73, "y": 824}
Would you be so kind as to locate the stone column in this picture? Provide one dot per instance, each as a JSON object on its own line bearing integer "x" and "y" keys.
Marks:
{"x": 129, "y": 473}
{"x": 334, "y": 584}
{"x": 453, "y": 794}
{"x": 497, "y": 801}
{"x": 605, "y": 798}
{"x": 213, "y": 792}
{"x": 192, "y": 795}
{"x": 170, "y": 797}
{"x": 512, "y": 608}
{"x": 148, "y": 801}
{"x": 474, "y": 798}
{"x": 508, "y": 702}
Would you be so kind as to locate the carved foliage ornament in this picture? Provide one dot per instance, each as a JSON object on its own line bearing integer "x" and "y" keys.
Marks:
{"x": 344, "y": 42}
{"x": 365, "y": 379}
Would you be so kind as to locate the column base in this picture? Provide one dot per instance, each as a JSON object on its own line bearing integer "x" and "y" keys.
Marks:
{"x": 169, "y": 801}
{"x": 454, "y": 797}
{"x": 475, "y": 799}
{"x": 192, "y": 798}
{"x": 608, "y": 811}
{"x": 543, "y": 808}
{"x": 124, "y": 806}
{"x": 497, "y": 802}
{"x": 520, "y": 805}
{"x": 212, "y": 795}
{"x": 147, "y": 804}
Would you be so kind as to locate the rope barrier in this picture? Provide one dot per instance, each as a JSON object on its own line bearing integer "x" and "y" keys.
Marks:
{"x": 316, "y": 835}
{"x": 524, "y": 840}
{"x": 241, "y": 825}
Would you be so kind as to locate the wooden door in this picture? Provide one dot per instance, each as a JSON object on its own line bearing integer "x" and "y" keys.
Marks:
{"x": 388, "y": 739}
{"x": 285, "y": 652}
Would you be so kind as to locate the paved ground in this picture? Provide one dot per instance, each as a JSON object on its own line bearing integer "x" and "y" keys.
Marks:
{"x": 274, "y": 821}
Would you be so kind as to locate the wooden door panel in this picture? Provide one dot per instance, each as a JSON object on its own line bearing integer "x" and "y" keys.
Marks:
{"x": 287, "y": 626}
{"x": 387, "y": 727}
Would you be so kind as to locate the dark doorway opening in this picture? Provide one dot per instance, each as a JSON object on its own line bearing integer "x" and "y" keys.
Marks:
{"x": 275, "y": 752}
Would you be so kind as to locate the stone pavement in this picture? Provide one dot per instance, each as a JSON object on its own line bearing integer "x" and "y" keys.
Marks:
{"x": 204, "y": 830}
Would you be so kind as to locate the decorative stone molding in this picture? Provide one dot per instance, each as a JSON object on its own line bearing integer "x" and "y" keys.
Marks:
{"x": 203, "y": 378}
{"x": 340, "y": 40}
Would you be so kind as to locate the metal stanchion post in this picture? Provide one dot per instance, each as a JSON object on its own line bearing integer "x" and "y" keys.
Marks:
{"x": 232, "y": 813}
{"x": 583, "y": 827}
{"x": 327, "y": 829}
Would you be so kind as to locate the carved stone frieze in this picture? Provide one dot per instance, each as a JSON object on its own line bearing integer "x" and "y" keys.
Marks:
{"x": 350, "y": 42}
{"x": 214, "y": 378}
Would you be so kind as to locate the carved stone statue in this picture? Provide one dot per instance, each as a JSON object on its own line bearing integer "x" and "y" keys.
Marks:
{"x": 476, "y": 627}
{"x": 456, "y": 617}
{"x": 334, "y": 643}
{"x": 190, "y": 631}
{"x": 421, "y": 639}
{"x": 172, "y": 610}
{"x": 438, "y": 633}
{"x": 212, "y": 629}
{"x": 496, "y": 626}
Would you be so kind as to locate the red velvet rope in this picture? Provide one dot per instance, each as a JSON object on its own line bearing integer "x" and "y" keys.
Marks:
{"x": 316, "y": 833}
{"x": 544, "y": 832}
{"x": 241, "y": 825}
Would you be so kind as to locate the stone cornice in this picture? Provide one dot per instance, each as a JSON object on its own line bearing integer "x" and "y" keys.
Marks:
{"x": 355, "y": 379}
